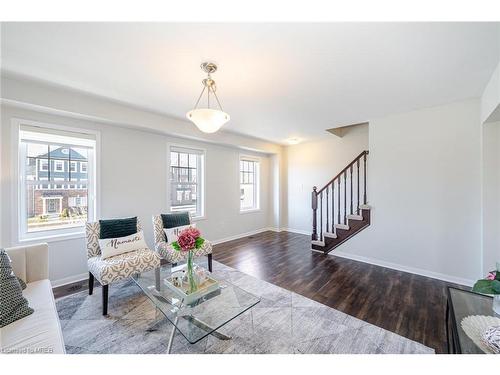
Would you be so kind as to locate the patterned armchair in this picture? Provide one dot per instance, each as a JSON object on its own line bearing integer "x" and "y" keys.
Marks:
{"x": 115, "y": 268}
{"x": 171, "y": 255}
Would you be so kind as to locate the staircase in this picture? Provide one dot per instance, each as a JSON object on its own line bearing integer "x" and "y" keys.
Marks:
{"x": 340, "y": 209}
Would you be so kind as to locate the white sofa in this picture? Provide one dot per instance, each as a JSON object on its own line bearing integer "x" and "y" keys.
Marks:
{"x": 39, "y": 332}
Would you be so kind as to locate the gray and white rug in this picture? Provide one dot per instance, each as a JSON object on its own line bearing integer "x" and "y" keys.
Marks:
{"x": 283, "y": 322}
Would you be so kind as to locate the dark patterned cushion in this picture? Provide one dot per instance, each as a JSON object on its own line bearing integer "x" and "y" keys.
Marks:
{"x": 14, "y": 306}
{"x": 22, "y": 283}
{"x": 175, "y": 220}
{"x": 115, "y": 228}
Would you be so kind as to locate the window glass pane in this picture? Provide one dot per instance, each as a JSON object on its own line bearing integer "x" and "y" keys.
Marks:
{"x": 192, "y": 160}
{"x": 60, "y": 204}
{"x": 174, "y": 158}
{"x": 184, "y": 188}
{"x": 247, "y": 196}
{"x": 183, "y": 160}
{"x": 248, "y": 184}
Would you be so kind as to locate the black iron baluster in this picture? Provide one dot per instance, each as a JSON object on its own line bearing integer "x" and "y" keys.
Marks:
{"x": 327, "y": 222}
{"x": 321, "y": 216}
{"x": 314, "y": 205}
{"x": 333, "y": 207}
{"x": 364, "y": 162}
{"x": 345, "y": 197}
{"x": 351, "y": 189}
{"x": 358, "y": 185}
{"x": 338, "y": 209}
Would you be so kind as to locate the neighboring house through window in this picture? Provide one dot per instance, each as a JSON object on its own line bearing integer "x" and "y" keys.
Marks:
{"x": 249, "y": 183}
{"x": 55, "y": 198}
{"x": 186, "y": 180}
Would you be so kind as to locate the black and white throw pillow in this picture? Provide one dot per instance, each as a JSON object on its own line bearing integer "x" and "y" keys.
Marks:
{"x": 13, "y": 305}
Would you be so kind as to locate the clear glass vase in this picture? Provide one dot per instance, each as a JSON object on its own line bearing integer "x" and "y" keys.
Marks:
{"x": 496, "y": 303}
{"x": 190, "y": 273}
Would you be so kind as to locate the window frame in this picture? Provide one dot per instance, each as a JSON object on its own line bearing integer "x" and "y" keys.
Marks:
{"x": 60, "y": 163}
{"x": 19, "y": 230}
{"x": 73, "y": 163}
{"x": 201, "y": 186}
{"x": 257, "y": 182}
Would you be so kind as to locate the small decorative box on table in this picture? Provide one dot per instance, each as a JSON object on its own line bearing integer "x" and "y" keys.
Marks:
{"x": 209, "y": 285}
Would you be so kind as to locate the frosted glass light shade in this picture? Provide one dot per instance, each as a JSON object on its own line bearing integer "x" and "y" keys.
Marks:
{"x": 208, "y": 120}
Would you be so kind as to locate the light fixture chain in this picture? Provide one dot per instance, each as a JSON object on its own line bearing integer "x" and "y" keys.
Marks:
{"x": 216, "y": 98}
{"x": 199, "y": 98}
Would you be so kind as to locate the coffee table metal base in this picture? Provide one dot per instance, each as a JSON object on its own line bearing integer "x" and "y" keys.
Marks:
{"x": 193, "y": 320}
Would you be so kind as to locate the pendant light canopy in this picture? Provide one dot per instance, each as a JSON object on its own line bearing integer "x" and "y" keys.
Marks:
{"x": 208, "y": 120}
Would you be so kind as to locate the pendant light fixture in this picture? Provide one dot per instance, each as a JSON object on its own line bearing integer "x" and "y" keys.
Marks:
{"x": 208, "y": 120}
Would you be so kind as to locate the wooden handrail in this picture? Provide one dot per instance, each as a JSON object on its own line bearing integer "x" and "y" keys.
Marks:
{"x": 366, "y": 152}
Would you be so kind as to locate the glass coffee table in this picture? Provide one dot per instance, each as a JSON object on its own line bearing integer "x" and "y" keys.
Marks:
{"x": 200, "y": 318}
{"x": 462, "y": 303}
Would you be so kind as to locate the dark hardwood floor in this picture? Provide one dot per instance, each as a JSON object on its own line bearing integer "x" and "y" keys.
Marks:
{"x": 410, "y": 305}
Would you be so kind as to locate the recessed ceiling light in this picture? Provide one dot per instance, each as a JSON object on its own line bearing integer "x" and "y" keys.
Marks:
{"x": 293, "y": 141}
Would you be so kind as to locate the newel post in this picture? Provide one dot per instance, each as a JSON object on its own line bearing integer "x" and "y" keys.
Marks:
{"x": 314, "y": 205}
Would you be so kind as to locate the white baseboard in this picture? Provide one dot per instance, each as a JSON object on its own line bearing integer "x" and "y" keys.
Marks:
{"x": 241, "y": 235}
{"x": 69, "y": 280}
{"x": 399, "y": 267}
{"x": 299, "y": 231}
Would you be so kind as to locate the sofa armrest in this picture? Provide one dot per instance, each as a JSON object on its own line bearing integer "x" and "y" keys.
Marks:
{"x": 30, "y": 263}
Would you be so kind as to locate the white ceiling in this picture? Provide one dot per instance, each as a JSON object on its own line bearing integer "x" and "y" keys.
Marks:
{"x": 275, "y": 80}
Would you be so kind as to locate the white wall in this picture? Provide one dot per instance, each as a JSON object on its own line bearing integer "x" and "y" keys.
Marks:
{"x": 316, "y": 163}
{"x": 490, "y": 100}
{"x": 133, "y": 182}
{"x": 491, "y": 195}
{"x": 425, "y": 188}
{"x": 424, "y": 184}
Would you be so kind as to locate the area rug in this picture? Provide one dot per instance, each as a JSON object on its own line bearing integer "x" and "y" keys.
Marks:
{"x": 283, "y": 322}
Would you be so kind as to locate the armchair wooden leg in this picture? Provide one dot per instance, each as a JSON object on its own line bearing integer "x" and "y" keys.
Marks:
{"x": 210, "y": 262}
{"x": 91, "y": 284}
{"x": 105, "y": 299}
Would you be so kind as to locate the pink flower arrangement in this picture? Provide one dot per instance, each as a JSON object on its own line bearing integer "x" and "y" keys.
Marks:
{"x": 491, "y": 276}
{"x": 188, "y": 239}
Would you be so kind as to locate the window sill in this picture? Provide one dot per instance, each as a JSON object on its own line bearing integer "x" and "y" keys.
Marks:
{"x": 250, "y": 211}
{"x": 52, "y": 237}
{"x": 198, "y": 218}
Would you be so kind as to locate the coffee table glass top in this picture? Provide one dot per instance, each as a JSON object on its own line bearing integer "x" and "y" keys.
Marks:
{"x": 201, "y": 318}
{"x": 463, "y": 304}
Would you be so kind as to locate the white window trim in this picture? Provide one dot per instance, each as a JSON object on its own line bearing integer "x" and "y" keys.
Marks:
{"x": 201, "y": 184}
{"x": 58, "y": 162}
{"x": 257, "y": 182}
{"x": 19, "y": 235}
{"x": 82, "y": 163}
{"x": 76, "y": 167}
{"x": 41, "y": 161}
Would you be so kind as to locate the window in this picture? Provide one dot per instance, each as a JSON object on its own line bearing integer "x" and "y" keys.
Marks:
{"x": 83, "y": 167}
{"x": 249, "y": 184}
{"x": 44, "y": 164}
{"x": 59, "y": 165}
{"x": 51, "y": 201}
{"x": 186, "y": 180}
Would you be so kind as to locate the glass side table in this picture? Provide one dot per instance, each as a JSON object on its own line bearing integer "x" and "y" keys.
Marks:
{"x": 462, "y": 303}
